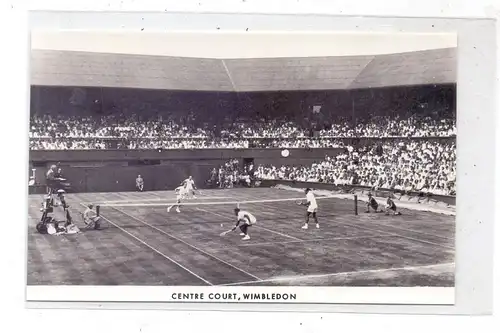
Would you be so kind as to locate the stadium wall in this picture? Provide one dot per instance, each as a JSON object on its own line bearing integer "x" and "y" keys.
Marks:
{"x": 116, "y": 170}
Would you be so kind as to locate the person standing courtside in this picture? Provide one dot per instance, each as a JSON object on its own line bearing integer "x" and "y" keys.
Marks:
{"x": 50, "y": 179}
{"x": 139, "y": 183}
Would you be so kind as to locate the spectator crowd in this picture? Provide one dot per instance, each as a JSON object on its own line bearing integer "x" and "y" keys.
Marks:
{"x": 416, "y": 153}
{"x": 408, "y": 165}
{"x": 231, "y": 174}
{"x": 66, "y": 133}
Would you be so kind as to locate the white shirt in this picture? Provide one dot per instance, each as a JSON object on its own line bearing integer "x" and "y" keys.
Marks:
{"x": 312, "y": 200}
{"x": 189, "y": 183}
{"x": 89, "y": 213}
{"x": 246, "y": 216}
{"x": 181, "y": 191}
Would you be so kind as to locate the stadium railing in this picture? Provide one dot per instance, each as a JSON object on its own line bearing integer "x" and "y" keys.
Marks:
{"x": 45, "y": 156}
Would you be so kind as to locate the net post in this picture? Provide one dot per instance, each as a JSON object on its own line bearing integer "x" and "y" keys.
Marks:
{"x": 98, "y": 210}
{"x": 355, "y": 204}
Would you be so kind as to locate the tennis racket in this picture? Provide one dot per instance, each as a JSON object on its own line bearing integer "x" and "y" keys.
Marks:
{"x": 225, "y": 233}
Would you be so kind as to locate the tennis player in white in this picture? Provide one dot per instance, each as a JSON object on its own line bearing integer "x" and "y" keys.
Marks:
{"x": 190, "y": 187}
{"x": 246, "y": 219}
{"x": 312, "y": 208}
{"x": 181, "y": 193}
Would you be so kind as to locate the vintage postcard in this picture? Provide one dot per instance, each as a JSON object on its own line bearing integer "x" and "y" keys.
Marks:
{"x": 242, "y": 167}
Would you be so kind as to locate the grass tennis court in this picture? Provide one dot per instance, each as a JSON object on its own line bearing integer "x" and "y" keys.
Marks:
{"x": 142, "y": 244}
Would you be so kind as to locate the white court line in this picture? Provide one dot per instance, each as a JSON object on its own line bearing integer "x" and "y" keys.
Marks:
{"x": 212, "y": 202}
{"x": 316, "y": 240}
{"x": 306, "y": 277}
{"x": 190, "y": 245}
{"x": 147, "y": 200}
{"x": 157, "y": 251}
{"x": 255, "y": 226}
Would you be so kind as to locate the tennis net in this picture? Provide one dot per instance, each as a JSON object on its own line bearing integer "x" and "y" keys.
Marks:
{"x": 211, "y": 210}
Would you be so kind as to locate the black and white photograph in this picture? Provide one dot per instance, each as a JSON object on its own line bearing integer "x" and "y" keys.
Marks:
{"x": 219, "y": 166}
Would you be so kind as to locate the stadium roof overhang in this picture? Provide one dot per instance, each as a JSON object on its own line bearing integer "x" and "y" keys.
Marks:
{"x": 273, "y": 71}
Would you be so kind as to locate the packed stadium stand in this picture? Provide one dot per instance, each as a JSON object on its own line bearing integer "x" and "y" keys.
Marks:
{"x": 393, "y": 115}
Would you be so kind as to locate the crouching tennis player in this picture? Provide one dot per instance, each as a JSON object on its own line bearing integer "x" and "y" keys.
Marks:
{"x": 372, "y": 204}
{"x": 246, "y": 219}
{"x": 390, "y": 208}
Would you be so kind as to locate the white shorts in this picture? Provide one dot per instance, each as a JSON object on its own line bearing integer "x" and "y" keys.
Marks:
{"x": 312, "y": 209}
{"x": 180, "y": 197}
{"x": 92, "y": 219}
